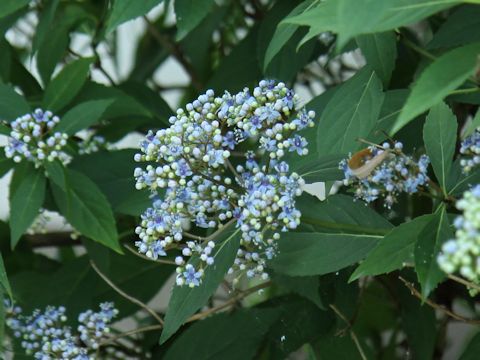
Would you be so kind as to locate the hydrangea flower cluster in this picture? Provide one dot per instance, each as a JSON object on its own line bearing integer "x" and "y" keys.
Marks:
{"x": 211, "y": 180}
{"x": 463, "y": 253}
{"x": 384, "y": 172}
{"x": 93, "y": 144}
{"x": 470, "y": 150}
{"x": 46, "y": 336}
{"x": 33, "y": 138}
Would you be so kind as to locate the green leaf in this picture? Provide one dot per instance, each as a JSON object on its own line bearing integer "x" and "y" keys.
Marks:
{"x": 302, "y": 254}
{"x": 460, "y": 28}
{"x": 125, "y": 10}
{"x": 8, "y": 7}
{"x": 4, "y": 279}
{"x": 51, "y": 52}
{"x": 380, "y": 51}
{"x": 6, "y": 164}
{"x": 87, "y": 209}
{"x": 112, "y": 172}
{"x": 438, "y": 79}
{"x": 25, "y": 203}
{"x": 472, "y": 126}
{"x": 185, "y": 300}
{"x": 284, "y": 33}
{"x": 351, "y": 113}
{"x": 189, "y": 14}
{"x": 440, "y": 136}
{"x": 225, "y": 336}
{"x": 66, "y": 85}
{"x": 12, "y": 105}
{"x": 393, "y": 250}
{"x": 324, "y": 168}
{"x": 391, "y": 107}
{"x": 305, "y": 286}
{"x": 427, "y": 247}
{"x": 44, "y": 23}
{"x": 83, "y": 116}
{"x": 458, "y": 182}
{"x": 472, "y": 349}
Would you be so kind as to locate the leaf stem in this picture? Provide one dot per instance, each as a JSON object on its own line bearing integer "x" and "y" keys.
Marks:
{"x": 125, "y": 295}
{"x": 346, "y": 227}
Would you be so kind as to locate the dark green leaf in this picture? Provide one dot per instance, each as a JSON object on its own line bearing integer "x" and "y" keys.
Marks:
{"x": 25, "y": 203}
{"x": 7, "y": 7}
{"x": 189, "y": 14}
{"x": 393, "y": 250}
{"x": 185, "y": 300}
{"x": 225, "y": 336}
{"x": 124, "y": 10}
{"x": 83, "y": 116}
{"x": 458, "y": 182}
{"x": 380, "y": 51}
{"x": 12, "y": 105}
{"x": 4, "y": 279}
{"x": 351, "y": 113}
{"x": 306, "y": 286}
{"x": 324, "y": 168}
{"x": 438, "y": 79}
{"x": 44, "y": 23}
{"x": 392, "y": 105}
{"x": 5, "y": 164}
{"x": 87, "y": 209}
{"x": 51, "y": 52}
{"x": 66, "y": 85}
{"x": 440, "y": 136}
{"x": 427, "y": 247}
{"x": 301, "y": 254}
{"x": 472, "y": 350}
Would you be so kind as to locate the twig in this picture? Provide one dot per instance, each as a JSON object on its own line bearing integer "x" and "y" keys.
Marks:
{"x": 352, "y": 333}
{"x": 52, "y": 239}
{"x": 125, "y": 295}
{"x": 175, "y": 50}
{"x": 160, "y": 261}
{"x": 436, "y": 306}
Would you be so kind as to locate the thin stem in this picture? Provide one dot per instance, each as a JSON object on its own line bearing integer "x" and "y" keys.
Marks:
{"x": 125, "y": 295}
{"x": 352, "y": 333}
{"x": 131, "y": 332}
{"x": 465, "y": 91}
{"x": 418, "y": 49}
{"x": 219, "y": 231}
{"x": 160, "y": 261}
{"x": 232, "y": 169}
{"x": 436, "y": 306}
{"x": 468, "y": 284}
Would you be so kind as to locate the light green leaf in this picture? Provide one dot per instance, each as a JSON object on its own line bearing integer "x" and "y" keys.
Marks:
{"x": 185, "y": 301}
{"x": 380, "y": 51}
{"x": 440, "y": 136}
{"x": 12, "y": 104}
{"x": 83, "y": 116}
{"x": 225, "y": 336}
{"x": 302, "y": 254}
{"x": 189, "y": 14}
{"x": 66, "y": 85}
{"x": 25, "y": 202}
{"x": 444, "y": 75}
{"x": 87, "y": 209}
{"x": 393, "y": 250}
{"x": 427, "y": 247}
{"x": 284, "y": 32}
{"x": 351, "y": 114}
{"x": 8, "y": 7}
{"x": 125, "y": 10}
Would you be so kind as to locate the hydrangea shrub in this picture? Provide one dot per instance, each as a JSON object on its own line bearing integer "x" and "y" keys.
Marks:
{"x": 309, "y": 189}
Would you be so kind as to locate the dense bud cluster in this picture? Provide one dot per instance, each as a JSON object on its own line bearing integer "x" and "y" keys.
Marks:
{"x": 33, "y": 138}
{"x": 383, "y": 172}
{"x": 470, "y": 150}
{"x": 46, "y": 336}
{"x": 210, "y": 179}
{"x": 462, "y": 254}
{"x": 92, "y": 144}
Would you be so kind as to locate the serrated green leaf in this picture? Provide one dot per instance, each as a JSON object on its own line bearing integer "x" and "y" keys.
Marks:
{"x": 125, "y": 10}
{"x": 350, "y": 114}
{"x": 303, "y": 254}
{"x": 438, "y": 79}
{"x": 427, "y": 247}
{"x": 380, "y": 51}
{"x": 190, "y": 13}
{"x": 185, "y": 300}
{"x": 31, "y": 191}
{"x": 225, "y": 336}
{"x": 83, "y": 116}
{"x": 393, "y": 250}
{"x": 66, "y": 85}
{"x": 12, "y": 104}
{"x": 440, "y": 136}
{"x": 87, "y": 209}
{"x": 8, "y": 7}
